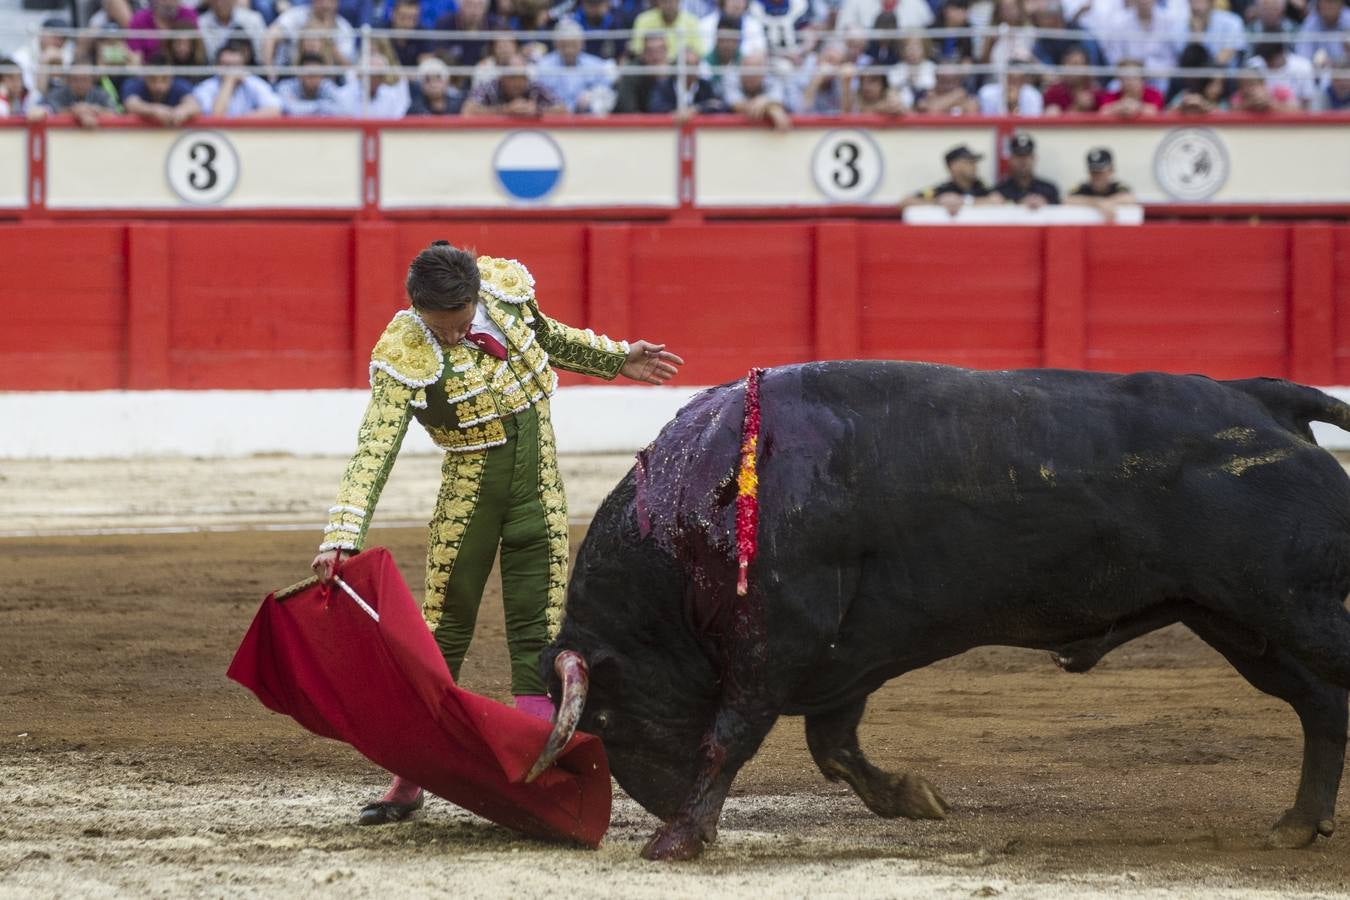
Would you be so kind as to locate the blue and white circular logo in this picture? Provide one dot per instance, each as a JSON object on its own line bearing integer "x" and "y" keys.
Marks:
{"x": 529, "y": 165}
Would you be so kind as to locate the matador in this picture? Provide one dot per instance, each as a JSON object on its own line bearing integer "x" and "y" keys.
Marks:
{"x": 473, "y": 360}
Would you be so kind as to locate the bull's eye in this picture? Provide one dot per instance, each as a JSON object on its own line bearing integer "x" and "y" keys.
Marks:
{"x": 601, "y": 721}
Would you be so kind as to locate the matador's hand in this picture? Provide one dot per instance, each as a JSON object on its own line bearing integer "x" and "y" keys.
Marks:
{"x": 326, "y": 562}
{"x": 650, "y": 363}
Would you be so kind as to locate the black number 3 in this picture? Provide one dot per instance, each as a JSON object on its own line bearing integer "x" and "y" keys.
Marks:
{"x": 847, "y": 176}
{"x": 204, "y": 176}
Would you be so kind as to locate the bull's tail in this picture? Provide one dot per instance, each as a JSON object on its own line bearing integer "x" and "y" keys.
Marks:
{"x": 1295, "y": 405}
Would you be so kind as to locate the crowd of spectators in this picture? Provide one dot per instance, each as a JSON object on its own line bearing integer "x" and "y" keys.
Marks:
{"x": 764, "y": 59}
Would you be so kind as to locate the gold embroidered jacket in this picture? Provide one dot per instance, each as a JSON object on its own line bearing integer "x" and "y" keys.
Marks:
{"x": 459, "y": 394}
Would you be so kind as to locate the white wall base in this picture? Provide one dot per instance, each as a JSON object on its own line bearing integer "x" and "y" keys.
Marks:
{"x": 129, "y": 424}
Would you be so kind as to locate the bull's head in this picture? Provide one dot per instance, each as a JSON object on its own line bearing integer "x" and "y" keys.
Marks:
{"x": 651, "y": 734}
{"x": 628, "y": 667}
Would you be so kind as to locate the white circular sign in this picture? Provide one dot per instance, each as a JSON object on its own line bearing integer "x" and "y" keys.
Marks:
{"x": 847, "y": 165}
{"x": 1191, "y": 164}
{"x": 203, "y": 167}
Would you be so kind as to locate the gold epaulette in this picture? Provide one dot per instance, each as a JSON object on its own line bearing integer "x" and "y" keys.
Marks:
{"x": 505, "y": 279}
{"x": 408, "y": 351}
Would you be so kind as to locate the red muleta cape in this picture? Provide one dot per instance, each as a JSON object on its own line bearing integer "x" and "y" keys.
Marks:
{"x": 383, "y": 687}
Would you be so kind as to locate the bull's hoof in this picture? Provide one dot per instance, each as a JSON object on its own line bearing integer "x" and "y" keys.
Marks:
{"x": 909, "y": 796}
{"x": 1294, "y": 831}
{"x": 674, "y": 842}
{"x": 1076, "y": 659}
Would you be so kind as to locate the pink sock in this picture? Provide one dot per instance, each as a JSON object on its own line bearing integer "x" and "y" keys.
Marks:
{"x": 401, "y": 791}
{"x": 536, "y": 705}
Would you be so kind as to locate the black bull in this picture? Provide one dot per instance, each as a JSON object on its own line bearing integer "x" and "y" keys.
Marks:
{"x": 911, "y": 512}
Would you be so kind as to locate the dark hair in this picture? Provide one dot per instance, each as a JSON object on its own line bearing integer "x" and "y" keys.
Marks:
{"x": 1193, "y": 56}
{"x": 239, "y": 44}
{"x": 1269, "y": 50}
{"x": 1075, "y": 47}
{"x": 443, "y": 277}
{"x": 186, "y": 30}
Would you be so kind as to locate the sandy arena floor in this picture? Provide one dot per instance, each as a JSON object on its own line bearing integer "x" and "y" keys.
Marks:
{"x": 129, "y": 765}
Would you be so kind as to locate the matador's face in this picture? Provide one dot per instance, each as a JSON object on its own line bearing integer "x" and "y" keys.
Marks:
{"x": 449, "y": 325}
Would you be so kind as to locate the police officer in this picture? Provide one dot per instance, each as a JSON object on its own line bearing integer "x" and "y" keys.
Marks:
{"x": 962, "y": 188}
{"x": 1021, "y": 184}
{"x": 1101, "y": 190}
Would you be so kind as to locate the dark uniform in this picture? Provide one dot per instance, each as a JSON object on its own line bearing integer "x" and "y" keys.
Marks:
{"x": 1014, "y": 191}
{"x": 1112, "y": 188}
{"x": 977, "y": 189}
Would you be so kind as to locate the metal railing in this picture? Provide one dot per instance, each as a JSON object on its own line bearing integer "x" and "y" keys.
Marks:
{"x": 777, "y": 64}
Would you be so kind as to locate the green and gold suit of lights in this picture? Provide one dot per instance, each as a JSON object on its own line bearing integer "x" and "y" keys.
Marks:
{"x": 499, "y": 482}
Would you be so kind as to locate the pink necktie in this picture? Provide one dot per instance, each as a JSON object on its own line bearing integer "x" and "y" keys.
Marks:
{"x": 487, "y": 343}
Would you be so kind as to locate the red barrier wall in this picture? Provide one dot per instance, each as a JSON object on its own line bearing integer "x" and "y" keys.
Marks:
{"x": 148, "y": 305}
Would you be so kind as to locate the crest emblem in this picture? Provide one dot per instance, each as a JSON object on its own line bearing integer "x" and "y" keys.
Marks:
{"x": 1191, "y": 164}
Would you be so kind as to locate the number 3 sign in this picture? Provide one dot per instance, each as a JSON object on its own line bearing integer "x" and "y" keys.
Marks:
{"x": 203, "y": 167}
{"x": 847, "y": 165}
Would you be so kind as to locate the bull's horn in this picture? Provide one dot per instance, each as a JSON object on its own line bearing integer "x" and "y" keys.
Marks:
{"x": 571, "y": 668}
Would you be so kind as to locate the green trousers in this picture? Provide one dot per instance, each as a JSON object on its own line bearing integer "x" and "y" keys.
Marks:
{"x": 508, "y": 512}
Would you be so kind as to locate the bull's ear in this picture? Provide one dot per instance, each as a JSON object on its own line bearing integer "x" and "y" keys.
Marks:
{"x": 606, "y": 671}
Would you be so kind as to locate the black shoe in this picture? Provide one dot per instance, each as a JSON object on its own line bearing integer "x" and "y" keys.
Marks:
{"x": 384, "y": 812}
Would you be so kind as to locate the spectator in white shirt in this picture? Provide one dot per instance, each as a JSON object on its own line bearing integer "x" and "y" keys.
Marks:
{"x": 220, "y": 18}
{"x": 949, "y": 96}
{"x": 863, "y": 13}
{"x": 1224, "y": 35}
{"x": 233, "y": 93}
{"x": 753, "y": 91}
{"x": 1142, "y": 32}
{"x": 318, "y": 16}
{"x": 45, "y": 50}
{"x": 1097, "y": 16}
{"x": 311, "y": 93}
{"x": 1290, "y": 78}
{"x": 581, "y": 80}
{"x": 826, "y": 81}
{"x": 1019, "y": 42}
{"x": 1329, "y": 15}
{"x": 13, "y": 95}
{"x": 753, "y": 38}
{"x": 388, "y": 98}
{"x": 1020, "y": 98}
{"x": 916, "y": 74}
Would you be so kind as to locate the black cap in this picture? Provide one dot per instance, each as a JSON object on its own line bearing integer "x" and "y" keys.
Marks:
{"x": 1099, "y": 159}
{"x": 1021, "y": 145}
{"x": 961, "y": 152}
